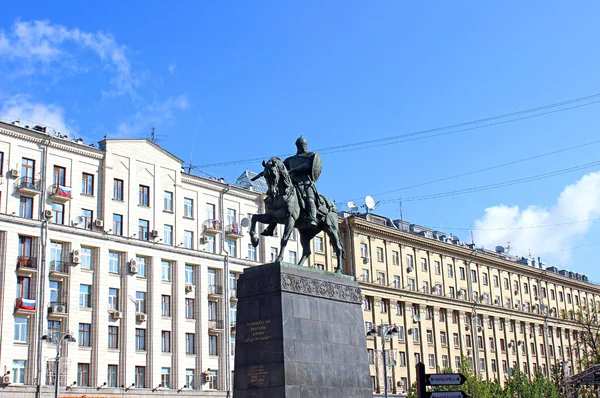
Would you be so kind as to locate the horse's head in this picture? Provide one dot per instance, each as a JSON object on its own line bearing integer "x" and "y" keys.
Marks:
{"x": 277, "y": 177}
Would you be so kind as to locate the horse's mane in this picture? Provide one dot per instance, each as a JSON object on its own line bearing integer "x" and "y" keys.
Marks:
{"x": 282, "y": 174}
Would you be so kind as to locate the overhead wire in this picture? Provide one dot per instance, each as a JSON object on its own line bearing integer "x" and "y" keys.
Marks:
{"x": 520, "y": 228}
{"x": 406, "y": 137}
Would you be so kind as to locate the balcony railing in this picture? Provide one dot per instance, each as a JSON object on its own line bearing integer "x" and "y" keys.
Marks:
{"x": 215, "y": 290}
{"x": 27, "y": 262}
{"x": 28, "y": 184}
{"x": 60, "y": 266}
{"x": 212, "y": 226}
{"x": 215, "y": 325}
{"x": 23, "y": 304}
{"x": 234, "y": 230}
{"x": 61, "y": 193}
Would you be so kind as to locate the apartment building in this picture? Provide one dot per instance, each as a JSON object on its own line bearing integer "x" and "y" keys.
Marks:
{"x": 117, "y": 249}
{"x": 448, "y": 299}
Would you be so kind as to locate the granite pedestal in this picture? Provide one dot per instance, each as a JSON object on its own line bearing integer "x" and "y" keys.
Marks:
{"x": 300, "y": 333}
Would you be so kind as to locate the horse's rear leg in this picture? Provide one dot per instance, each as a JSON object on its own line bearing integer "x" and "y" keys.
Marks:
{"x": 333, "y": 233}
{"x": 305, "y": 238}
{"x": 269, "y": 230}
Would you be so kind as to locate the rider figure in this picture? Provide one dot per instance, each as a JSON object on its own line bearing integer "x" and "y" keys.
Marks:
{"x": 300, "y": 168}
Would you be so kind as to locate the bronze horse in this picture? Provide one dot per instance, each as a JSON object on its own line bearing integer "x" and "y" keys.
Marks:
{"x": 284, "y": 206}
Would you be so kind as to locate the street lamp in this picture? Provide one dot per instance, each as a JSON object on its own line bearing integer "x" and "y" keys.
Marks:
{"x": 69, "y": 339}
{"x": 383, "y": 331}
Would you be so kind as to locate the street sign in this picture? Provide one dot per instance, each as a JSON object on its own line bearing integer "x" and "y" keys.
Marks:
{"x": 445, "y": 379}
{"x": 446, "y": 394}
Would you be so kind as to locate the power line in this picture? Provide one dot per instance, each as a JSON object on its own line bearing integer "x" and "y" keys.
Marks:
{"x": 405, "y": 137}
{"x": 494, "y": 186}
{"x": 570, "y": 248}
{"x": 486, "y": 168}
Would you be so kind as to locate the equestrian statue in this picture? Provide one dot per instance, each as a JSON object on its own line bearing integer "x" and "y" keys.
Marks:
{"x": 292, "y": 200}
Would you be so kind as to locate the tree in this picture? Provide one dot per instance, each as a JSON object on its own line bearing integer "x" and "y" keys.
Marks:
{"x": 587, "y": 342}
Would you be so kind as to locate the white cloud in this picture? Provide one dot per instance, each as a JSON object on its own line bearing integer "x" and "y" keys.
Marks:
{"x": 153, "y": 115}
{"x": 579, "y": 201}
{"x": 172, "y": 68}
{"x": 20, "y": 108}
{"x": 41, "y": 44}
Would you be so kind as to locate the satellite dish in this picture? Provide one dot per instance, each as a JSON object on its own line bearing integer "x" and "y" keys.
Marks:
{"x": 499, "y": 249}
{"x": 78, "y": 220}
{"x": 370, "y": 202}
{"x": 352, "y": 206}
{"x": 245, "y": 222}
{"x": 416, "y": 318}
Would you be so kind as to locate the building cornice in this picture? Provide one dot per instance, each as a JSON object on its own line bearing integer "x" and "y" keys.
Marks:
{"x": 404, "y": 238}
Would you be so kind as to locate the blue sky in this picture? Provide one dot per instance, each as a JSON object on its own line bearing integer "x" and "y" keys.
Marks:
{"x": 230, "y": 81}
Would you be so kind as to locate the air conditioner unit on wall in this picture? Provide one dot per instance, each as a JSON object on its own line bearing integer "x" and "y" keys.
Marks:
{"x": 203, "y": 240}
{"x": 155, "y": 233}
{"x": 6, "y": 380}
{"x": 140, "y": 317}
{"x": 75, "y": 259}
{"x": 133, "y": 268}
{"x": 58, "y": 309}
{"x": 208, "y": 378}
{"x": 189, "y": 288}
{"x": 14, "y": 173}
{"x": 117, "y": 314}
{"x": 99, "y": 223}
{"x": 48, "y": 214}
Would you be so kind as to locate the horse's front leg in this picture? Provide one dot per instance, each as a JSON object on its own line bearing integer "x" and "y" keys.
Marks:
{"x": 261, "y": 218}
{"x": 287, "y": 233}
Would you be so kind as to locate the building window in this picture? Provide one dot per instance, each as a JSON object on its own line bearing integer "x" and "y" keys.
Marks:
{"x": 143, "y": 227}
{"x": 395, "y": 258}
{"x": 292, "y": 258}
{"x": 231, "y": 247}
{"x": 117, "y": 224}
{"x": 190, "y": 380}
{"x": 443, "y": 339}
{"x": 168, "y": 201}
{"x": 210, "y": 211}
{"x": 113, "y": 337}
{"x": 88, "y": 217}
{"x": 141, "y": 264}
{"x": 438, "y": 268}
{"x": 409, "y": 262}
{"x": 318, "y": 244}
{"x": 188, "y": 207}
{"x": 463, "y": 275}
{"x": 189, "y": 274}
{"x": 85, "y": 296}
{"x": 26, "y": 207}
{"x": 209, "y": 246}
{"x": 140, "y": 302}
{"x": 473, "y": 276}
{"x": 118, "y": 189}
{"x": 364, "y": 251}
{"x": 140, "y": 377}
{"x": 380, "y": 254}
{"x": 423, "y": 264}
{"x": 84, "y": 335}
{"x": 53, "y": 330}
{"x": 140, "y": 339}
{"x": 20, "y": 330}
{"x": 189, "y": 343}
{"x": 381, "y": 278}
{"x": 58, "y": 212}
{"x": 83, "y": 374}
{"x": 251, "y": 252}
{"x": 189, "y": 308}
{"x": 27, "y": 170}
{"x": 431, "y": 361}
{"x": 165, "y": 308}
{"x": 273, "y": 254}
{"x": 165, "y": 270}
{"x": 112, "y": 376}
{"x": 166, "y": 341}
{"x": 113, "y": 298}
{"x": 367, "y": 303}
{"x": 85, "y": 260}
{"x": 495, "y": 279}
{"x": 450, "y": 270}
{"x": 188, "y": 239}
{"x": 401, "y": 335}
{"x": 165, "y": 377}
{"x": 212, "y": 345}
{"x": 212, "y": 310}
{"x": 429, "y": 336}
{"x": 1, "y": 162}
{"x": 87, "y": 184}
{"x": 144, "y": 196}
{"x": 114, "y": 262}
{"x": 168, "y": 235}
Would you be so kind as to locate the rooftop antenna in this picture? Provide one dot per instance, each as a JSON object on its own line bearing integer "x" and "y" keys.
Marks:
{"x": 352, "y": 206}
{"x": 508, "y": 248}
{"x": 370, "y": 203}
{"x": 155, "y": 137}
{"x": 472, "y": 240}
{"x": 400, "y": 205}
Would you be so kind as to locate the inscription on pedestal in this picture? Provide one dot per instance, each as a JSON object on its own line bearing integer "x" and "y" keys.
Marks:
{"x": 257, "y": 376}
{"x": 258, "y": 331}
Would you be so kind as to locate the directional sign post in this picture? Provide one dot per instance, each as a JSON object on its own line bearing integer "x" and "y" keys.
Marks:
{"x": 445, "y": 379}
{"x": 447, "y": 394}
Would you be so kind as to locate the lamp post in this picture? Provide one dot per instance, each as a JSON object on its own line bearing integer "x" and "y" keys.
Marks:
{"x": 69, "y": 339}
{"x": 383, "y": 331}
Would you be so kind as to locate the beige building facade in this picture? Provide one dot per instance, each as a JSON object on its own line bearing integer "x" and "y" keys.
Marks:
{"x": 449, "y": 299}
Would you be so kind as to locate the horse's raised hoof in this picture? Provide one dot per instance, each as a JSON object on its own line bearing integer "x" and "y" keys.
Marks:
{"x": 254, "y": 239}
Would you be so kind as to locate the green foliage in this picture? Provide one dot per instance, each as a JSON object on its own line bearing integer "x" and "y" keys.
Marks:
{"x": 516, "y": 386}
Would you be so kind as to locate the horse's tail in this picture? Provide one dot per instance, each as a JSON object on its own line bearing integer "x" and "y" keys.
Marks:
{"x": 328, "y": 203}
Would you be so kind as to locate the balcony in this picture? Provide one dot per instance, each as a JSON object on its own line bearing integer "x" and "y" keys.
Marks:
{"x": 215, "y": 290}
{"x": 215, "y": 325}
{"x": 26, "y": 266}
{"x": 24, "y": 306}
{"x": 28, "y": 185}
{"x": 211, "y": 226}
{"x": 232, "y": 326}
{"x": 59, "y": 268}
{"x": 234, "y": 231}
{"x": 60, "y": 193}
{"x": 57, "y": 309}
{"x": 233, "y": 293}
